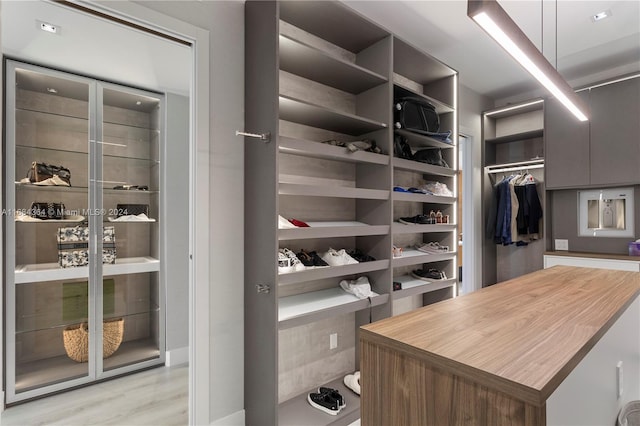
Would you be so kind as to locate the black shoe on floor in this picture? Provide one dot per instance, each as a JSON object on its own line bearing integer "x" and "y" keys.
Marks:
{"x": 421, "y": 219}
{"x": 333, "y": 393}
{"x": 324, "y": 402}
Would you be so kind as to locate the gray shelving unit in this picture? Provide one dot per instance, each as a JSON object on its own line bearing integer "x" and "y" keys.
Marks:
{"x": 315, "y": 72}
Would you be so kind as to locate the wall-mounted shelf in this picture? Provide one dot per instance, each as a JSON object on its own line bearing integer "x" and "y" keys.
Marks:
{"x": 423, "y": 198}
{"x": 416, "y": 257}
{"x": 332, "y": 229}
{"x": 412, "y": 286}
{"x": 516, "y": 137}
{"x": 417, "y": 140}
{"x": 332, "y": 271}
{"x": 331, "y": 191}
{"x": 322, "y": 150}
{"x": 401, "y": 228}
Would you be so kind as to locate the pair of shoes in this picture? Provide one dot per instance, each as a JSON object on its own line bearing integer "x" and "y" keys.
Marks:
{"x": 438, "y": 188}
{"x": 396, "y": 251}
{"x": 338, "y": 258}
{"x": 311, "y": 259}
{"x": 352, "y": 381}
{"x": 421, "y": 219}
{"x": 432, "y": 248}
{"x": 359, "y": 287}
{"x": 328, "y": 400}
{"x": 412, "y": 190}
{"x": 290, "y": 223}
{"x": 288, "y": 262}
{"x": 429, "y": 275}
{"x": 360, "y": 256}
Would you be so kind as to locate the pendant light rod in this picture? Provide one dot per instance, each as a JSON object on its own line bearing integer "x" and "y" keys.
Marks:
{"x": 493, "y": 19}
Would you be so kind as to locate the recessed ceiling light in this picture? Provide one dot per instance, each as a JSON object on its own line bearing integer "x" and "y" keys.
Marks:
{"x": 600, "y": 16}
{"x": 51, "y": 90}
{"x": 138, "y": 103}
{"x": 50, "y": 28}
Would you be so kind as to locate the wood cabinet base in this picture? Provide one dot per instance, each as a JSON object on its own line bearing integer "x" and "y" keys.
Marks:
{"x": 400, "y": 389}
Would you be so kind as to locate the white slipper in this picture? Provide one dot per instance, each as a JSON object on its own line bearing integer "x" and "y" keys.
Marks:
{"x": 352, "y": 381}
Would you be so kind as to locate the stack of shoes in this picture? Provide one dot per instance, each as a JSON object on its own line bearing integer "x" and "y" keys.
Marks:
{"x": 429, "y": 275}
{"x": 288, "y": 262}
{"x": 311, "y": 259}
{"x": 338, "y": 258}
{"x": 360, "y": 256}
{"x": 328, "y": 400}
{"x": 421, "y": 219}
{"x": 432, "y": 248}
{"x": 352, "y": 381}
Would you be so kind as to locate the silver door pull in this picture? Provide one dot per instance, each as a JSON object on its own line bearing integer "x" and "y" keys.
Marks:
{"x": 266, "y": 137}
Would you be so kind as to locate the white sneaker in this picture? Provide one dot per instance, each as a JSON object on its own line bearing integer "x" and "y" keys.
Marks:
{"x": 294, "y": 261}
{"x": 361, "y": 288}
{"x": 338, "y": 258}
{"x": 284, "y": 263}
{"x": 352, "y": 381}
{"x": 284, "y": 223}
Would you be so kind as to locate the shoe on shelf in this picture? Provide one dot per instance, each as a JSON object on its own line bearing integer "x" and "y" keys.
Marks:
{"x": 335, "y": 394}
{"x": 420, "y": 219}
{"x": 428, "y": 275}
{"x": 284, "y": 223}
{"x": 294, "y": 262}
{"x": 338, "y": 258}
{"x": 358, "y": 255}
{"x": 284, "y": 263}
{"x": 361, "y": 288}
{"x": 417, "y": 190}
{"x": 432, "y": 248}
{"x": 399, "y": 189}
{"x": 298, "y": 223}
{"x": 396, "y": 251}
{"x": 324, "y": 402}
{"x": 311, "y": 259}
{"x": 352, "y": 381}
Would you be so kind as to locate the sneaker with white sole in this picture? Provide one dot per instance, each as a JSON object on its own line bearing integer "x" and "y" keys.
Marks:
{"x": 284, "y": 223}
{"x": 295, "y": 262}
{"x": 284, "y": 263}
{"x": 338, "y": 258}
{"x": 352, "y": 381}
{"x": 324, "y": 402}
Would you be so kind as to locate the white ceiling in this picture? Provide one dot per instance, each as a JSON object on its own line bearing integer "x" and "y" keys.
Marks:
{"x": 587, "y": 51}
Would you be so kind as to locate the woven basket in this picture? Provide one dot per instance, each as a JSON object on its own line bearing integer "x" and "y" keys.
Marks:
{"x": 76, "y": 339}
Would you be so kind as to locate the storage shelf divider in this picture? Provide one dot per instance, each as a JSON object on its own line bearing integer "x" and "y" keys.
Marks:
{"x": 416, "y": 166}
{"x": 322, "y": 150}
{"x": 416, "y": 257}
{"x": 316, "y": 230}
{"x": 332, "y": 191}
{"x": 413, "y": 286}
{"x": 418, "y": 140}
{"x": 423, "y": 198}
{"x": 401, "y": 228}
{"x": 319, "y": 273}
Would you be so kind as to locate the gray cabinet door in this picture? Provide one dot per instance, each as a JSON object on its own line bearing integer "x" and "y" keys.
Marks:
{"x": 566, "y": 146}
{"x": 615, "y": 133}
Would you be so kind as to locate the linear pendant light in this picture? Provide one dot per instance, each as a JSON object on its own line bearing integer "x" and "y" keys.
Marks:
{"x": 496, "y": 22}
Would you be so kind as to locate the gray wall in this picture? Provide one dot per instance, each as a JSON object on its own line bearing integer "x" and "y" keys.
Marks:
{"x": 564, "y": 225}
{"x": 225, "y": 22}
{"x": 177, "y": 238}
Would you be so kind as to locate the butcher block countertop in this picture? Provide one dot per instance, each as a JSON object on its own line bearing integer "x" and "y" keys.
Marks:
{"x": 522, "y": 337}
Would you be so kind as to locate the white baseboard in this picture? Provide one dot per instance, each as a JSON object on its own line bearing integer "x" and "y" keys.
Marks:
{"x": 177, "y": 356}
{"x": 235, "y": 419}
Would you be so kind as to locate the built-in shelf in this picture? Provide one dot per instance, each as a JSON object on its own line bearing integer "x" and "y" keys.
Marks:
{"x": 399, "y": 91}
{"x": 54, "y": 272}
{"x": 416, "y": 140}
{"x": 416, "y": 257}
{"x": 309, "y": 114}
{"x": 401, "y": 228}
{"x": 322, "y": 150}
{"x": 332, "y": 230}
{"x": 314, "y": 306}
{"x": 416, "y": 166}
{"x": 516, "y": 137}
{"x": 297, "y": 410}
{"x": 319, "y": 273}
{"x": 314, "y": 64}
{"x": 423, "y": 198}
{"x": 412, "y": 286}
{"x": 332, "y": 191}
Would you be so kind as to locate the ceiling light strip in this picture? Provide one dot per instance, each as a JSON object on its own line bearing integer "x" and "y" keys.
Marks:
{"x": 496, "y": 22}
{"x": 513, "y": 107}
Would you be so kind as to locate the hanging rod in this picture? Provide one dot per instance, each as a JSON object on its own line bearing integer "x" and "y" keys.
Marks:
{"x": 536, "y": 163}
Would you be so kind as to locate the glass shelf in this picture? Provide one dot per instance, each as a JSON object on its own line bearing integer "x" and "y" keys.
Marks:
{"x": 41, "y": 148}
{"x": 54, "y": 114}
{"x": 142, "y": 161}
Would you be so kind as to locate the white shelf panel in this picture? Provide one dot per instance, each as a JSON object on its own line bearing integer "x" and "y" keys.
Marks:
{"x": 313, "y": 306}
{"x": 416, "y": 257}
{"x": 314, "y": 64}
{"x": 53, "y": 272}
{"x": 417, "y": 140}
{"x": 332, "y": 191}
{"x": 332, "y": 230}
{"x": 297, "y": 410}
{"x": 401, "y": 228}
{"x": 423, "y": 198}
{"x": 332, "y": 271}
{"x": 322, "y": 150}
{"x": 416, "y": 166}
{"x": 309, "y": 114}
{"x": 412, "y": 286}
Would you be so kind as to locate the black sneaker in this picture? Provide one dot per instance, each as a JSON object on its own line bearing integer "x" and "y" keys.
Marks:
{"x": 360, "y": 256}
{"x": 429, "y": 275}
{"x": 324, "y": 402}
{"x": 420, "y": 219}
{"x": 310, "y": 259}
{"x": 333, "y": 393}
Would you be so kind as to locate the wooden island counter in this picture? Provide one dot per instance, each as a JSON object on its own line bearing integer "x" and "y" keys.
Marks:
{"x": 528, "y": 351}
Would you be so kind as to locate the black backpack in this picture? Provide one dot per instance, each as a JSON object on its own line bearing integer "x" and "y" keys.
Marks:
{"x": 416, "y": 115}
{"x": 401, "y": 148}
{"x": 431, "y": 156}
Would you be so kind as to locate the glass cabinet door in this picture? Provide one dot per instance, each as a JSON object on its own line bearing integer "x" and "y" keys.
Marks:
{"x": 130, "y": 187}
{"x": 47, "y": 169}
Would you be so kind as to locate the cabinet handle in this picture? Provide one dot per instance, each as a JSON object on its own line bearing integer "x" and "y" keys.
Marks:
{"x": 266, "y": 137}
{"x": 263, "y": 288}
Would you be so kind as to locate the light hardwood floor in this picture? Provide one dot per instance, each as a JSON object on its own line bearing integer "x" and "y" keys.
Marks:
{"x": 154, "y": 397}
